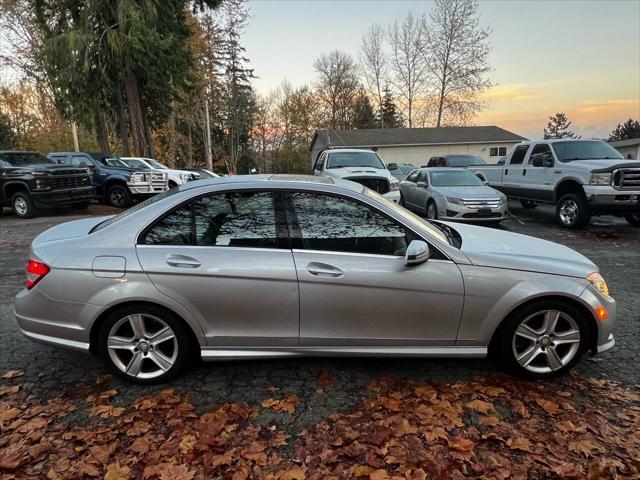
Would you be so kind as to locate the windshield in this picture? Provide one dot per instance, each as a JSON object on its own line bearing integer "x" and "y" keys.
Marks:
{"x": 410, "y": 218}
{"x": 464, "y": 160}
{"x": 354, "y": 159}
{"x": 584, "y": 150}
{"x": 455, "y": 178}
{"x": 23, "y": 159}
{"x": 135, "y": 208}
{"x": 155, "y": 164}
{"x": 113, "y": 162}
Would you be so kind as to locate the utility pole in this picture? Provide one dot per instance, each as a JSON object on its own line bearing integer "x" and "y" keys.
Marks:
{"x": 74, "y": 134}
{"x": 207, "y": 126}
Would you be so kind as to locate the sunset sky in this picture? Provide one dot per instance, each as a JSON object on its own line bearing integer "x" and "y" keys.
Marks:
{"x": 580, "y": 57}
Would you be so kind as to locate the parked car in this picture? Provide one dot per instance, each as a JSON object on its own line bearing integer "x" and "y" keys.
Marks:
{"x": 29, "y": 181}
{"x": 580, "y": 177}
{"x": 361, "y": 166}
{"x": 452, "y": 194}
{"x": 456, "y": 161}
{"x": 202, "y": 172}
{"x": 116, "y": 183}
{"x": 400, "y": 170}
{"x": 175, "y": 177}
{"x": 263, "y": 266}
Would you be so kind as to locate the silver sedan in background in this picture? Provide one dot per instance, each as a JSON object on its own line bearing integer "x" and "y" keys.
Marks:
{"x": 452, "y": 194}
{"x": 278, "y": 266}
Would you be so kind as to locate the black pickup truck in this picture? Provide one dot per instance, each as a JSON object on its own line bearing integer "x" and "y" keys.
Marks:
{"x": 30, "y": 181}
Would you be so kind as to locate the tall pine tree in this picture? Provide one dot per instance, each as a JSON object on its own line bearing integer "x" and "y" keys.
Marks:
{"x": 628, "y": 130}
{"x": 390, "y": 116}
{"x": 558, "y": 127}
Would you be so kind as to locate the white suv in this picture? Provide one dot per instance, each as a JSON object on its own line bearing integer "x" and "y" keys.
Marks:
{"x": 360, "y": 166}
{"x": 176, "y": 177}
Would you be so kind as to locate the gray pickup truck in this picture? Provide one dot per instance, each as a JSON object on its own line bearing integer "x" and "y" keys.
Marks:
{"x": 580, "y": 177}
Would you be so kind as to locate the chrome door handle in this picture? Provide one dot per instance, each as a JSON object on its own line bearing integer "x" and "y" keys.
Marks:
{"x": 182, "y": 261}
{"x": 323, "y": 270}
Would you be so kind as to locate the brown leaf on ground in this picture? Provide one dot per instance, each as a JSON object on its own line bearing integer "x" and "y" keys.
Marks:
{"x": 13, "y": 374}
{"x": 287, "y": 404}
{"x": 325, "y": 379}
{"x": 107, "y": 410}
{"x": 117, "y": 472}
{"x": 480, "y": 406}
{"x": 548, "y": 406}
{"x": 177, "y": 472}
{"x": 9, "y": 390}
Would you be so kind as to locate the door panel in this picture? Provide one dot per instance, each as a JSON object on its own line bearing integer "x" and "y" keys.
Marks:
{"x": 377, "y": 300}
{"x": 240, "y": 296}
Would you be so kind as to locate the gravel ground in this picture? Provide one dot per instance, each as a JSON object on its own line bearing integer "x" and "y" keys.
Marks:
{"x": 609, "y": 242}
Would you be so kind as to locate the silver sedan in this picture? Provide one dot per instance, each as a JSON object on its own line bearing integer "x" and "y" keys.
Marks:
{"x": 452, "y": 194}
{"x": 278, "y": 266}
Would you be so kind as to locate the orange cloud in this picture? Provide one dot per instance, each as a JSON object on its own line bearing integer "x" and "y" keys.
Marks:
{"x": 513, "y": 92}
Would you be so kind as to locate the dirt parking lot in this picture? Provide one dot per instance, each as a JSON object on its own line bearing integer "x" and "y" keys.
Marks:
{"x": 610, "y": 242}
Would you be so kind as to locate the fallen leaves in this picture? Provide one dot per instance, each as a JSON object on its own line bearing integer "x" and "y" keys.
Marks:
{"x": 485, "y": 427}
{"x": 13, "y": 374}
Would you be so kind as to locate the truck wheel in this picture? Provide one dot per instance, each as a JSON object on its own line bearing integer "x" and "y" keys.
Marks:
{"x": 634, "y": 220}
{"x": 23, "y": 205}
{"x": 119, "y": 196}
{"x": 572, "y": 211}
{"x": 528, "y": 204}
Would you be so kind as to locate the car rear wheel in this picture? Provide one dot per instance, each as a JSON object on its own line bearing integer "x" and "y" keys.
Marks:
{"x": 633, "y": 220}
{"x": 543, "y": 340}
{"x": 23, "y": 205}
{"x": 432, "y": 210}
{"x": 119, "y": 196}
{"x": 528, "y": 204}
{"x": 144, "y": 345}
{"x": 572, "y": 211}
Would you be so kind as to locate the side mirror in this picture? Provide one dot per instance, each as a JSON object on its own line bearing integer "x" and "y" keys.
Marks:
{"x": 392, "y": 166}
{"x": 421, "y": 184}
{"x": 417, "y": 252}
{"x": 537, "y": 160}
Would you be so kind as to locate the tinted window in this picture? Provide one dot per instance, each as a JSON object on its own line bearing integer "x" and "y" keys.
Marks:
{"x": 354, "y": 159}
{"x": 340, "y": 225}
{"x": 464, "y": 160}
{"x": 174, "y": 229}
{"x": 59, "y": 158}
{"x": 519, "y": 154}
{"x": 541, "y": 148}
{"x": 454, "y": 178}
{"x": 21, "y": 159}
{"x": 242, "y": 219}
{"x": 81, "y": 161}
{"x": 136, "y": 164}
{"x": 585, "y": 150}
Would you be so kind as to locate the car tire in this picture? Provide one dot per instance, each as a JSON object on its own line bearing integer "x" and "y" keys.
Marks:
{"x": 431, "y": 210}
{"x": 528, "y": 204}
{"x": 530, "y": 334}
{"x": 144, "y": 344}
{"x": 22, "y": 205}
{"x": 572, "y": 211}
{"x": 633, "y": 220}
{"x": 119, "y": 196}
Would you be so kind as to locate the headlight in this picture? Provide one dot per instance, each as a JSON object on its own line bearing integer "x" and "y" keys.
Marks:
{"x": 503, "y": 200}
{"x": 185, "y": 177}
{"x": 137, "y": 177}
{"x": 600, "y": 179}
{"x": 457, "y": 201}
{"x": 395, "y": 185}
{"x": 42, "y": 185}
{"x": 599, "y": 283}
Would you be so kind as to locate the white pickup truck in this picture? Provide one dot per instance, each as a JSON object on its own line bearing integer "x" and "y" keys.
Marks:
{"x": 580, "y": 177}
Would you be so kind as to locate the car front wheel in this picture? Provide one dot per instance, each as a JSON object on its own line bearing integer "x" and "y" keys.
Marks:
{"x": 543, "y": 340}
{"x": 144, "y": 345}
{"x": 572, "y": 211}
{"x": 119, "y": 196}
{"x": 23, "y": 205}
{"x": 432, "y": 210}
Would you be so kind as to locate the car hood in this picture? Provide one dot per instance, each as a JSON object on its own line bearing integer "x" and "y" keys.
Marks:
{"x": 602, "y": 165}
{"x": 75, "y": 228}
{"x": 480, "y": 191}
{"x": 491, "y": 247}
{"x": 358, "y": 172}
{"x": 48, "y": 168}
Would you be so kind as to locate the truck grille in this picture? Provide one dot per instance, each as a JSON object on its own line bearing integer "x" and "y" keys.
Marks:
{"x": 158, "y": 181}
{"x": 71, "y": 182}
{"x": 379, "y": 185}
{"x": 627, "y": 179}
{"x": 481, "y": 202}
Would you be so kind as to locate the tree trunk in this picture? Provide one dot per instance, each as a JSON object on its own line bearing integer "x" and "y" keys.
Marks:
{"x": 101, "y": 133}
{"x": 189, "y": 148}
{"x": 122, "y": 123}
{"x": 136, "y": 120}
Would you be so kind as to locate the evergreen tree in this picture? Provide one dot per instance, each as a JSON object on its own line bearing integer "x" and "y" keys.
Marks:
{"x": 390, "y": 117}
{"x": 558, "y": 127}
{"x": 7, "y": 134}
{"x": 363, "y": 114}
{"x": 627, "y": 130}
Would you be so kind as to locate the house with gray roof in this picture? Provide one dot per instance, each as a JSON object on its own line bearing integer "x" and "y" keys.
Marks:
{"x": 418, "y": 145}
{"x": 630, "y": 148}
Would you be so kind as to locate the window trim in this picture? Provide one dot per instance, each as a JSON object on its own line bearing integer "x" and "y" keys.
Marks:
{"x": 295, "y": 234}
{"x": 283, "y": 239}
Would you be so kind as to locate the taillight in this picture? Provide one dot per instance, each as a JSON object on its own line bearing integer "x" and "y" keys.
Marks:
{"x": 36, "y": 272}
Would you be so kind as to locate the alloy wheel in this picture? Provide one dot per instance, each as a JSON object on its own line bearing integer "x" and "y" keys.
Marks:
{"x": 20, "y": 206}
{"x": 142, "y": 346}
{"x": 568, "y": 212}
{"x": 546, "y": 341}
{"x": 117, "y": 197}
{"x": 432, "y": 213}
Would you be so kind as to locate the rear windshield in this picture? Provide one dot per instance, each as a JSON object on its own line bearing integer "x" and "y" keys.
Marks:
{"x": 464, "y": 160}
{"x": 454, "y": 179}
{"x": 585, "y": 150}
{"x": 23, "y": 159}
{"x": 354, "y": 159}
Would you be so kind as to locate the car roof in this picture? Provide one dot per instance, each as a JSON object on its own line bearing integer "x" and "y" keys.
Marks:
{"x": 348, "y": 150}
{"x": 445, "y": 169}
{"x": 261, "y": 181}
